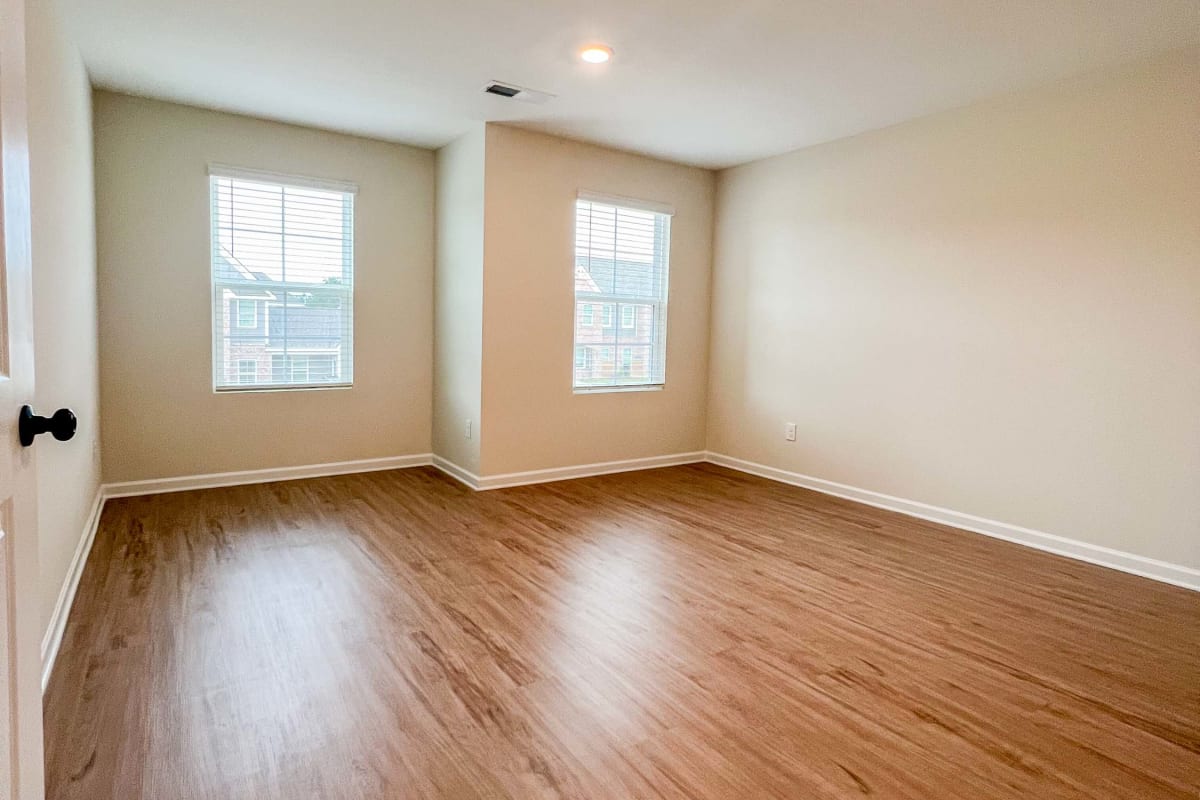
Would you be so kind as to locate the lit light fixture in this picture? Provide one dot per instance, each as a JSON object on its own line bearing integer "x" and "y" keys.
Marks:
{"x": 596, "y": 53}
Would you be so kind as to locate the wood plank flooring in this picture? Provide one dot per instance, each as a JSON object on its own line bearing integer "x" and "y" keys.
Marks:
{"x": 679, "y": 633}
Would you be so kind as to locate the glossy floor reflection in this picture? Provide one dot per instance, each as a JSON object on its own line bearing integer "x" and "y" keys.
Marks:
{"x": 678, "y": 633}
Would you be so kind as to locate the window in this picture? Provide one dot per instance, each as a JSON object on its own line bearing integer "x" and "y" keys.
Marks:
{"x": 247, "y": 313}
{"x": 282, "y": 280}
{"x": 585, "y": 359}
{"x": 622, "y": 250}
{"x": 299, "y": 369}
{"x": 304, "y": 369}
{"x": 607, "y": 315}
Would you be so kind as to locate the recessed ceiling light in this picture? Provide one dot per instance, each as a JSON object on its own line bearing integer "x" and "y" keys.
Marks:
{"x": 596, "y": 53}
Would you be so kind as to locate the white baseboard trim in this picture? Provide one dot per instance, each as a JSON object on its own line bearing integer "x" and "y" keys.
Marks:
{"x": 510, "y": 479}
{"x": 460, "y": 474}
{"x": 218, "y": 479}
{"x": 66, "y": 595}
{"x": 1175, "y": 574}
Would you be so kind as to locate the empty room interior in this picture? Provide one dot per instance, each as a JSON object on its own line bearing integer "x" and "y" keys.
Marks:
{"x": 443, "y": 400}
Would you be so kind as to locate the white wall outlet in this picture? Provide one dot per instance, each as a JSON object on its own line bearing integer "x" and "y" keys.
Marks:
{"x": 789, "y": 432}
{"x": 468, "y": 429}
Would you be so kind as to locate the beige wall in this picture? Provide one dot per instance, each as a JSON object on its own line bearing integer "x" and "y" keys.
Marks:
{"x": 64, "y": 291}
{"x": 161, "y": 416}
{"x": 994, "y": 310}
{"x": 531, "y": 418}
{"x": 458, "y": 300}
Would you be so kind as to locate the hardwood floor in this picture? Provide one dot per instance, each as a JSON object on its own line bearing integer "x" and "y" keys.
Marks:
{"x": 679, "y": 633}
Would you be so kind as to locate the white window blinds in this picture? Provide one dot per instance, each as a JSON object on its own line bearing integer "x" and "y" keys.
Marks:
{"x": 621, "y": 266}
{"x": 282, "y": 281}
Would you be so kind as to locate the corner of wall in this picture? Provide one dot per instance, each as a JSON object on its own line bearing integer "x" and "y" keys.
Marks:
{"x": 458, "y": 299}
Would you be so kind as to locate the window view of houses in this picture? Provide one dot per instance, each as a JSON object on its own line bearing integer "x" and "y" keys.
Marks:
{"x": 613, "y": 342}
{"x": 620, "y": 295}
{"x": 281, "y": 337}
{"x": 282, "y": 285}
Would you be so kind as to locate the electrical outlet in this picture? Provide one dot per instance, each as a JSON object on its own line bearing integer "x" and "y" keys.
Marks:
{"x": 789, "y": 432}
{"x": 468, "y": 429}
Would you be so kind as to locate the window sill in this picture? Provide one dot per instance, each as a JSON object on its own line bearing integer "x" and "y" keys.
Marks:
{"x": 648, "y": 387}
{"x": 263, "y": 389}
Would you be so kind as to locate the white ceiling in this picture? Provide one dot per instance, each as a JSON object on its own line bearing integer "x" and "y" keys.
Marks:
{"x": 697, "y": 81}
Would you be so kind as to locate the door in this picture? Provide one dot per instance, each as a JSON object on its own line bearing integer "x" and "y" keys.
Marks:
{"x": 21, "y": 768}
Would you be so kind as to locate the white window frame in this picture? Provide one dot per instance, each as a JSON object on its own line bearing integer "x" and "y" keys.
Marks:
{"x": 241, "y": 372}
{"x": 294, "y": 363}
{"x": 240, "y": 303}
{"x": 344, "y": 357}
{"x": 628, "y": 316}
{"x": 585, "y": 302}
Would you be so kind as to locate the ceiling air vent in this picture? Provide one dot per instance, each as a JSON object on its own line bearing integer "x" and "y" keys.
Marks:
{"x": 502, "y": 90}
{"x": 517, "y": 93}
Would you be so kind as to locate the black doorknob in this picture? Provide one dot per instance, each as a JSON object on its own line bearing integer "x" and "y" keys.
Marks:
{"x": 61, "y": 425}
